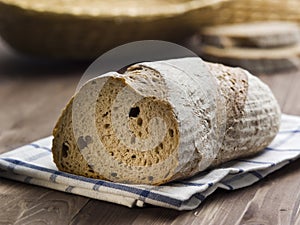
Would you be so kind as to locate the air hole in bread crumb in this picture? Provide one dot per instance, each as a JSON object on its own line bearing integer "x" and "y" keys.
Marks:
{"x": 135, "y": 68}
{"x": 134, "y": 112}
{"x": 171, "y": 132}
{"x": 154, "y": 79}
{"x": 111, "y": 153}
{"x": 139, "y": 121}
{"x": 133, "y": 156}
{"x": 106, "y": 126}
{"x": 65, "y": 149}
{"x": 161, "y": 145}
{"x": 105, "y": 114}
{"x": 91, "y": 168}
{"x": 157, "y": 150}
{"x": 140, "y": 134}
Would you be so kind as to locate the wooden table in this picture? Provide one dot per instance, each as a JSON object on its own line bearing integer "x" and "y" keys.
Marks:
{"x": 32, "y": 94}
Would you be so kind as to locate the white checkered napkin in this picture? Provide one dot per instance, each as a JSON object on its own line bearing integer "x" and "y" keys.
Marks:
{"x": 33, "y": 164}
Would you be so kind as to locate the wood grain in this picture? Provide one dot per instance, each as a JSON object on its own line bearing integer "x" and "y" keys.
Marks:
{"x": 286, "y": 90}
{"x": 25, "y": 204}
{"x": 32, "y": 94}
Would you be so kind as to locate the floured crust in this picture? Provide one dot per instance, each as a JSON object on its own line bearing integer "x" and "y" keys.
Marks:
{"x": 250, "y": 109}
{"x": 233, "y": 83}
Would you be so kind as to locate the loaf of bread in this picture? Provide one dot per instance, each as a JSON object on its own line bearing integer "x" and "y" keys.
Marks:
{"x": 257, "y": 61}
{"x": 268, "y": 34}
{"x": 164, "y": 120}
{"x": 259, "y": 47}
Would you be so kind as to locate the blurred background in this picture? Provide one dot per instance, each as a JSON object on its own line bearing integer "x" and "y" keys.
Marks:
{"x": 45, "y": 47}
{"x": 84, "y": 29}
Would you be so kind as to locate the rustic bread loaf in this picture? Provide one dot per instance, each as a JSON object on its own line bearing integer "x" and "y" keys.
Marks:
{"x": 268, "y": 34}
{"x": 257, "y": 61}
{"x": 260, "y": 47}
{"x": 165, "y": 120}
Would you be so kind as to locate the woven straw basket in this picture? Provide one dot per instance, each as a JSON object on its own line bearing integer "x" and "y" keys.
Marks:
{"x": 83, "y": 29}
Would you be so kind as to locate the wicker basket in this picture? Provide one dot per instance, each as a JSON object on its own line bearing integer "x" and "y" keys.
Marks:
{"x": 84, "y": 29}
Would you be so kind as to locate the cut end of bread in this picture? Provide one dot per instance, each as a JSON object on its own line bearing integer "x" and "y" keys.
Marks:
{"x": 135, "y": 131}
{"x": 111, "y": 130}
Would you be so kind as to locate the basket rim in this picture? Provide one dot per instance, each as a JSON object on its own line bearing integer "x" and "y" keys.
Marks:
{"x": 138, "y": 8}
